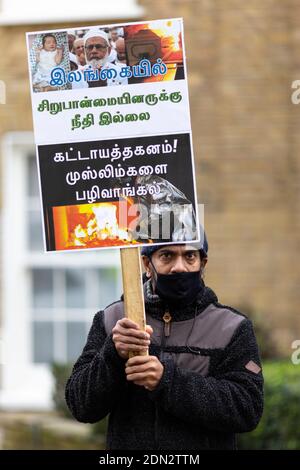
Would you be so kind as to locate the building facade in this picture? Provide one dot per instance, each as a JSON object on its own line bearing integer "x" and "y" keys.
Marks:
{"x": 241, "y": 58}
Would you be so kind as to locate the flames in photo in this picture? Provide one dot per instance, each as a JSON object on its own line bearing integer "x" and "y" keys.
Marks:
{"x": 153, "y": 40}
{"x": 93, "y": 225}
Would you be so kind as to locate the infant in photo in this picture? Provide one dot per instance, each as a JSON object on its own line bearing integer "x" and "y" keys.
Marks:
{"x": 48, "y": 56}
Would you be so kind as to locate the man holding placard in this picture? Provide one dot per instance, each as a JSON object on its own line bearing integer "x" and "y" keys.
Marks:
{"x": 201, "y": 382}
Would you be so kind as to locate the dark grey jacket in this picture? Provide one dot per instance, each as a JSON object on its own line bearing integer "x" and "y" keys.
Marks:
{"x": 211, "y": 388}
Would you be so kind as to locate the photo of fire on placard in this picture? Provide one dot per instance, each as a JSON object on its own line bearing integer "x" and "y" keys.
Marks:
{"x": 92, "y": 225}
{"x": 155, "y": 40}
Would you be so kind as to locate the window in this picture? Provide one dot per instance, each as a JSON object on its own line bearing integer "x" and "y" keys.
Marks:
{"x": 34, "y": 226}
{"x": 53, "y": 296}
{"x": 62, "y": 300}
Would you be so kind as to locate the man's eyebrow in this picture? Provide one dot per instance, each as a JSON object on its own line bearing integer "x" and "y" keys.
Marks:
{"x": 165, "y": 250}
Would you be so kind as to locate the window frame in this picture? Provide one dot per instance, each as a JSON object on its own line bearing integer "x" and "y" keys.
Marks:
{"x": 25, "y": 383}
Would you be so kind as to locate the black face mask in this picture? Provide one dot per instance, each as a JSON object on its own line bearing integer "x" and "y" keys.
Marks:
{"x": 179, "y": 288}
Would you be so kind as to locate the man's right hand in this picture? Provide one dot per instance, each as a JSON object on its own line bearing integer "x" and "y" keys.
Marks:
{"x": 128, "y": 337}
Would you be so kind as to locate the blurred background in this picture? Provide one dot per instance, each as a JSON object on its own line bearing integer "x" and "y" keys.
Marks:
{"x": 242, "y": 58}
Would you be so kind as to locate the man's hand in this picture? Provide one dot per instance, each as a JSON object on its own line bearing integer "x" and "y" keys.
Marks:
{"x": 128, "y": 337}
{"x": 145, "y": 371}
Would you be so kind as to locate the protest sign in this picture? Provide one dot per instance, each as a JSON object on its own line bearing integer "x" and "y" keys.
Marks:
{"x": 113, "y": 135}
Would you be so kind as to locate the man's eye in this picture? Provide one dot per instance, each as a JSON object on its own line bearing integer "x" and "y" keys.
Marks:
{"x": 166, "y": 256}
{"x": 191, "y": 256}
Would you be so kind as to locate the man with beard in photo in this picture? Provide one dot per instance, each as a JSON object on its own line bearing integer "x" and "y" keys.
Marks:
{"x": 99, "y": 56}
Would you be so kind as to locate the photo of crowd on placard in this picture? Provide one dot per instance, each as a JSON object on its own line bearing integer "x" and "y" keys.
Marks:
{"x": 96, "y": 57}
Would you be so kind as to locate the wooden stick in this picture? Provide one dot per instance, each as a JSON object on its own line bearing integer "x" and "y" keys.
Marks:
{"x": 133, "y": 289}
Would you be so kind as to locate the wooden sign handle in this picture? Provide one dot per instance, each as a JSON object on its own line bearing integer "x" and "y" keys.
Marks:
{"x": 133, "y": 288}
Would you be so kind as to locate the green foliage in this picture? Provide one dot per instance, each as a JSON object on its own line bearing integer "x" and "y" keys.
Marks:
{"x": 61, "y": 373}
{"x": 27, "y": 436}
{"x": 100, "y": 428}
{"x": 279, "y": 427}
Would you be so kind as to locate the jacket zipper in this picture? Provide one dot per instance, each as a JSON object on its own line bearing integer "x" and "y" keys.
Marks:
{"x": 166, "y": 329}
{"x": 165, "y": 334}
{"x": 167, "y": 319}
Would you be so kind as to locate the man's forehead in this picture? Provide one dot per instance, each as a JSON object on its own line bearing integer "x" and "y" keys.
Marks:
{"x": 96, "y": 40}
{"x": 177, "y": 249}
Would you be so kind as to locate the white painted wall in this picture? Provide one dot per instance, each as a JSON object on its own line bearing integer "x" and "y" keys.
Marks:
{"x": 36, "y": 12}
